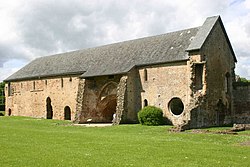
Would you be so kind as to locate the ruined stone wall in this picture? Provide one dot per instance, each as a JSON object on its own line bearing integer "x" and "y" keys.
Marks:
{"x": 241, "y": 103}
{"x": 79, "y": 100}
{"x": 99, "y": 96}
{"x": 161, "y": 83}
{"x": 28, "y": 98}
{"x": 121, "y": 108}
{"x": 216, "y": 102}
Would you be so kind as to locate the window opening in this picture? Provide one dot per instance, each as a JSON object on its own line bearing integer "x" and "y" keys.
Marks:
{"x": 9, "y": 89}
{"x": 198, "y": 76}
{"x": 227, "y": 82}
{"x": 62, "y": 82}
{"x": 145, "y": 75}
{"x": 34, "y": 85}
{"x": 176, "y": 106}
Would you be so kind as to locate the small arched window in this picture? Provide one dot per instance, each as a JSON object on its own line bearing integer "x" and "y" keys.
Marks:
{"x": 145, "y": 103}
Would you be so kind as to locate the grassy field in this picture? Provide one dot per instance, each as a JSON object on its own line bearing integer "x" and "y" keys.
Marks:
{"x": 38, "y": 142}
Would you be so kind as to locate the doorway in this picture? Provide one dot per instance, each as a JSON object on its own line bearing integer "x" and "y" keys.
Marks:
{"x": 49, "y": 108}
{"x": 67, "y": 113}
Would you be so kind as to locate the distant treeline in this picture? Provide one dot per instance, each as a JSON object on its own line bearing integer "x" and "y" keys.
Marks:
{"x": 2, "y": 97}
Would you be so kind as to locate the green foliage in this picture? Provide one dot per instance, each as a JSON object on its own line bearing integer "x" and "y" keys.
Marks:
{"x": 243, "y": 79}
{"x": 2, "y": 97}
{"x": 150, "y": 115}
{"x": 40, "y": 142}
{"x": 2, "y": 113}
{"x": 2, "y": 84}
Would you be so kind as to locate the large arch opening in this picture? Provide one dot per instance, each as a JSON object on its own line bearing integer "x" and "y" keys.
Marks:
{"x": 49, "y": 109}
{"x": 107, "y": 108}
{"x": 67, "y": 113}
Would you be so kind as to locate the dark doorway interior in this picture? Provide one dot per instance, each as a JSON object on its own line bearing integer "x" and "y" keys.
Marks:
{"x": 49, "y": 108}
{"x": 67, "y": 113}
{"x": 109, "y": 110}
{"x": 9, "y": 112}
{"x": 145, "y": 103}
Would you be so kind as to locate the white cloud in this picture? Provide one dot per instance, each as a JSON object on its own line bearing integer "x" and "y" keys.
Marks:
{"x": 34, "y": 28}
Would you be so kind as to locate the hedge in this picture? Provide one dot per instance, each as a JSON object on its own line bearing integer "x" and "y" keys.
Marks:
{"x": 150, "y": 115}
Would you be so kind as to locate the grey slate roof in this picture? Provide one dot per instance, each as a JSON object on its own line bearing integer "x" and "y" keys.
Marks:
{"x": 111, "y": 59}
{"x": 203, "y": 33}
{"x": 120, "y": 57}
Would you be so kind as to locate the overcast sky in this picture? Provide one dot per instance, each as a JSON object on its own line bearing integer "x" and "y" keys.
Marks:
{"x": 35, "y": 28}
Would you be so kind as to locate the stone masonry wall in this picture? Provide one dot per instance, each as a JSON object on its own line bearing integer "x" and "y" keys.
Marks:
{"x": 121, "y": 108}
{"x": 28, "y": 98}
{"x": 216, "y": 108}
{"x": 241, "y": 104}
{"x": 79, "y": 100}
{"x": 163, "y": 83}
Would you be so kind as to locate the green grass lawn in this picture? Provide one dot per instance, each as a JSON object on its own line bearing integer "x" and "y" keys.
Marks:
{"x": 38, "y": 142}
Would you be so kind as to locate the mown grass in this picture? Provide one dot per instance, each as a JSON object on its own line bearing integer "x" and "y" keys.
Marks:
{"x": 38, "y": 142}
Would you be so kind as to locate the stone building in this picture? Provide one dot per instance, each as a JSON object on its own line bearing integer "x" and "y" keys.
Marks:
{"x": 187, "y": 73}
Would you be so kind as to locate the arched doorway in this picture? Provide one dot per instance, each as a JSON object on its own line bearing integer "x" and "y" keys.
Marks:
{"x": 9, "y": 112}
{"x": 221, "y": 112}
{"x": 67, "y": 113}
{"x": 49, "y": 108}
{"x": 145, "y": 103}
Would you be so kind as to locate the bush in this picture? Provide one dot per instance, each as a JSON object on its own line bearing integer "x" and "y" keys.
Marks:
{"x": 2, "y": 107}
{"x": 150, "y": 115}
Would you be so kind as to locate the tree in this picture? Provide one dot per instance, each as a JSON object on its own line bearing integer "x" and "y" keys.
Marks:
{"x": 2, "y": 97}
{"x": 243, "y": 79}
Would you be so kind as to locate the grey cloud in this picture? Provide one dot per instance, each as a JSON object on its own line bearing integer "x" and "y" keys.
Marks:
{"x": 10, "y": 51}
{"x": 47, "y": 27}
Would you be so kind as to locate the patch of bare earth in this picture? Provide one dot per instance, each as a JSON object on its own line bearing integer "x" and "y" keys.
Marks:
{"x": 246, "y": 143}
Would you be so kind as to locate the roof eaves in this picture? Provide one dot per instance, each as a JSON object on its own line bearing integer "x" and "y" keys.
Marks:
{"x": 160, "y": 63}
{"x": 99, "y": 75}
{"x": 44, "y": 76}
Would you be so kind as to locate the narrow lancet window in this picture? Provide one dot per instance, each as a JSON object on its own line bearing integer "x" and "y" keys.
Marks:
{"x": 145, "y": 75}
